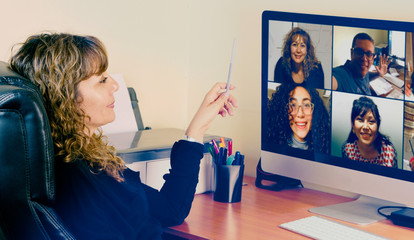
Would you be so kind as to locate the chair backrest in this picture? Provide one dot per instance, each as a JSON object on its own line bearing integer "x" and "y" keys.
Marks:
{"x": 27, "y": 187}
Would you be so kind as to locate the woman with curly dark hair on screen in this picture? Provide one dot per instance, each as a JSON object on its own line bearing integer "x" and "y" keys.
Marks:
{"x": 298, "y": 63}
{"x": 365, "y": 142}
{"x": 298, "y": 118}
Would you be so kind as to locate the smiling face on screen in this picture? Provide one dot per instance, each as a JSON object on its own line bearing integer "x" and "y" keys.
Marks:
{"x": 300, "y": 113}
{"x": 298, "y": 49}
{"x": 365, "y": 128}
{"x": 362, "y": 57}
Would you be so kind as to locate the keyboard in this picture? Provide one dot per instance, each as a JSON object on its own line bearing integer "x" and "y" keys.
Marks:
{"x": 322, "y": 228}
{"x": 394, "y": 80}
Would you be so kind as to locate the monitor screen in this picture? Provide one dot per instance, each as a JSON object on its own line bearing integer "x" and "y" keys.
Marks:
{"x": 337, "y": 103}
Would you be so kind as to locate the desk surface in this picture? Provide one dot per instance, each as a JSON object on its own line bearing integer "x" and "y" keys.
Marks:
{"x": 145, "y": 140}
{"x": 260, "y": 212}
{"x": 150, "y": 140}
{"x": 149, "y": 144}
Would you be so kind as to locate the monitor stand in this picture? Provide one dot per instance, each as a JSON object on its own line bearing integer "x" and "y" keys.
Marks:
{"x": 361, "y": 211}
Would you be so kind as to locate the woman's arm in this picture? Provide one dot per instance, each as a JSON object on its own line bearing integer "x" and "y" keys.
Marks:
{"x": 172, "y": 204}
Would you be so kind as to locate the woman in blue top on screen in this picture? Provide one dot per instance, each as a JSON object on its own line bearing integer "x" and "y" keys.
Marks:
{"x": 97, "y": 196}
{"x": 365, "y": 142}
{"x": 298, "y": 63}
{"x": 298, "y": 118}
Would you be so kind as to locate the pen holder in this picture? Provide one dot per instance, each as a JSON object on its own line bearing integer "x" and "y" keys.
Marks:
{"x": 228, "y": 183}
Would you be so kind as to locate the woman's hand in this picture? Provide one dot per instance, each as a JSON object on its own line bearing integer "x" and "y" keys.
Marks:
{"x": 215, "y": 102}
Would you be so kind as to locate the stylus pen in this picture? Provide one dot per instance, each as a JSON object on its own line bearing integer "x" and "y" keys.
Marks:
{"x": 411, "y": 145}
{"x": 231, "y": 63}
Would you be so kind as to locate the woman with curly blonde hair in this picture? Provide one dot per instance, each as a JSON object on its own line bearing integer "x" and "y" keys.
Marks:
{"x": 299, "y": 63}
{"x": 57, "y": 64}
{"x": 97, "y": 196}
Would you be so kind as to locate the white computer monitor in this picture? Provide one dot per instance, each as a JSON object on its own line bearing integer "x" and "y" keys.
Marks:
{"x": 323, "y": 162}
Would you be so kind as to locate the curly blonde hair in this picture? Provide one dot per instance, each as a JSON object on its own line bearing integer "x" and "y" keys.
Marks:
{"x": 57, "y": 63}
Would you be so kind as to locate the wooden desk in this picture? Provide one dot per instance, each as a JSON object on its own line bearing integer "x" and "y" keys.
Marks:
{"x": 260, "y": 212}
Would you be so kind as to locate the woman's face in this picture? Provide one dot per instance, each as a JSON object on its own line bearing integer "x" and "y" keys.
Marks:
{"x": 298, "y": 49}
{"x": 300, "y": 113}
{"x": 365, "y": 127}
{"x": 96, "y": 99}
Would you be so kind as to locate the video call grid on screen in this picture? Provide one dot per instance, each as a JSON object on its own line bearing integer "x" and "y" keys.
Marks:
{"x": 333, "y": 43}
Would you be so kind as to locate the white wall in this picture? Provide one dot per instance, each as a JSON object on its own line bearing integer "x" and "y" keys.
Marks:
{"x": 172, "y": 52}
{"x": 146, "y": 42}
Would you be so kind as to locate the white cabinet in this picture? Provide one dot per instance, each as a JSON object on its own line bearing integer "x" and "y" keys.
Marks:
{"x": 149, "y": 152}
{"x": 140, "y": 167}
{"x": 152, "y": 172}
{"x": 155, "y": 170}
{"x": 205, "y": 177}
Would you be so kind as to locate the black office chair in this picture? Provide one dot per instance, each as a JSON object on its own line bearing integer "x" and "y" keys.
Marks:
{"x": 27, "y": 187}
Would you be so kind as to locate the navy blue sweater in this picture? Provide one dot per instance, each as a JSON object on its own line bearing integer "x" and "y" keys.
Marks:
{"x": 96, "y": 206}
